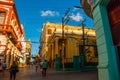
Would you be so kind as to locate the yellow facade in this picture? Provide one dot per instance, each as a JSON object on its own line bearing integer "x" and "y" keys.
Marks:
{"x": 51, "y": 43}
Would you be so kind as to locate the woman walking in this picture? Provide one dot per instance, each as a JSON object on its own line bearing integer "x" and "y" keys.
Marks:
{"x": 36, "y": 66}
{"x": 13, "y": 71}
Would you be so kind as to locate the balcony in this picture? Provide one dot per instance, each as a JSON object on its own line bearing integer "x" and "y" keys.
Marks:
{"x": 19, "y": 45}
{"x": 9, "y": 30}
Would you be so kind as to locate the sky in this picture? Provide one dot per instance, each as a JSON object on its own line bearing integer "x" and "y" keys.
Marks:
{"x": 33, "y": 13}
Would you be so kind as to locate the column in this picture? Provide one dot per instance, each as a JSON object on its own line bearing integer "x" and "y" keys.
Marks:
{"x": 12, "y": 57}
{"x": 7, "y": 58}
{"x": 57, "y": 58}
{"x": 56, "y": 45}
{"x": 51, "y": 51}
{"x": 53, "y": 55}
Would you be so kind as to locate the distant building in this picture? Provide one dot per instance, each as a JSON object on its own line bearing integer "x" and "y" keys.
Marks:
{"x": 28, "y": 50}
{"x": 51, "y": 41}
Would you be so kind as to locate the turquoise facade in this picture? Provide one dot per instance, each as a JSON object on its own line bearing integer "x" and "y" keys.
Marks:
{"x": 107, "y": 67}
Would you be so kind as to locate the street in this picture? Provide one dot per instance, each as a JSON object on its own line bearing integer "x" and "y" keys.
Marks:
{"x": 31, "y": 74}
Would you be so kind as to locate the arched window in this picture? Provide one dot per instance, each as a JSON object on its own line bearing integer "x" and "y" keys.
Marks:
{"x": 49, "y": 31}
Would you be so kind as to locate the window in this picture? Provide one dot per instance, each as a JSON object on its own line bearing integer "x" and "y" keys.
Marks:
{"x": 49, "y": 31}
{"x": 2, "y": 17}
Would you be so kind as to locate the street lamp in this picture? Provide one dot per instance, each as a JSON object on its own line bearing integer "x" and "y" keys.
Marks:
{"x": 87, "y": 9}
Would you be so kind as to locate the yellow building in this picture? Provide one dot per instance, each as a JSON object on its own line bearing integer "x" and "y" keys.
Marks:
{"x": 51, "y": 44}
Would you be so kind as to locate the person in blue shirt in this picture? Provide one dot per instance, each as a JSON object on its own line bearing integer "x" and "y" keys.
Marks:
{"x": 44, "y": 67}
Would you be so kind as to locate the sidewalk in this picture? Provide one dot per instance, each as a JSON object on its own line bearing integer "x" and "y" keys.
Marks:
{"x": 30, "y": 74}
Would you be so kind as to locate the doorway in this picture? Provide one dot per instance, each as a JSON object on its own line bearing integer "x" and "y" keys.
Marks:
{"x": 113, "y": 9}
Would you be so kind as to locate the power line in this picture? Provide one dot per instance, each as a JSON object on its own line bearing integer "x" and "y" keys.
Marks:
{"x": 35, "y": 42}
{"x": 30, "y": 41}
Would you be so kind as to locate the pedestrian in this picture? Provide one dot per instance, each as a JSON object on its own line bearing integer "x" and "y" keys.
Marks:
{"x": 13, "y": 70}
{"x": 1, "y": 70}
{"x": 28, "y": 63}
{"x": 41, "y": 66}
{"x": 44, "y": 67}
{"x": 0, "y": 62}
{"x": 4, "y": 66}
{"x": 36, "y": 66}
{"x": 31, "y": 62}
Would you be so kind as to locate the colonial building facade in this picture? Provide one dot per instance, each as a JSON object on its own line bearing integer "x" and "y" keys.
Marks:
{"x": 11, "y": 33}
{"x": 107, "y": 24}
{"x": 51, "y": 45}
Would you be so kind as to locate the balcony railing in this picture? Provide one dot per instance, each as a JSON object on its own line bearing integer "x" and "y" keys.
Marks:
{"x": 10, "y": 30}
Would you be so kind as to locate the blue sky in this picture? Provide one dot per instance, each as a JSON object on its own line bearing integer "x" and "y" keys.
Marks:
{"x": 33, "y": 13}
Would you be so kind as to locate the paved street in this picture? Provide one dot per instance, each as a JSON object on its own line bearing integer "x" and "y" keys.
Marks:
{"x": 30, "y": 74}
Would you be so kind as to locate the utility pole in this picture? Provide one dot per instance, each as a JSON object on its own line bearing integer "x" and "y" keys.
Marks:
{"x": 83, "y": 45}
{"x": 83, "y": 36}
{"x": 65, "y": 20}
{"x": 82, "y": 55}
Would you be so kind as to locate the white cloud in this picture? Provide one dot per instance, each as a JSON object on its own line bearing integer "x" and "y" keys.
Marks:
{"x": 74, "y": 9}
{"x": 76, "y": 17}
{"x": 49, "y": 13}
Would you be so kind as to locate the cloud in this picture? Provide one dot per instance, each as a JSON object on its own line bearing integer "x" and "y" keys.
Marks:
{"x": 76, "y": 17}
{"x": 49, "y": 13}
{"x": 74, "y": 9}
